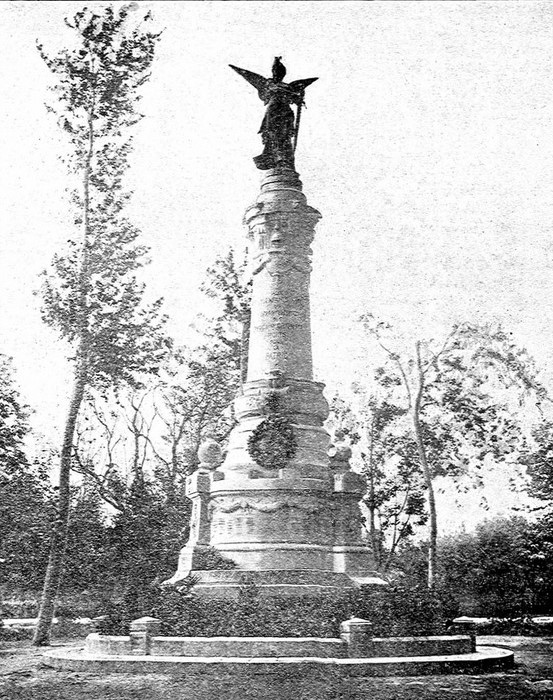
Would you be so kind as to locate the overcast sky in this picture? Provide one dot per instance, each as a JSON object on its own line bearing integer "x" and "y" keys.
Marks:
{"x": 426, "y": 145}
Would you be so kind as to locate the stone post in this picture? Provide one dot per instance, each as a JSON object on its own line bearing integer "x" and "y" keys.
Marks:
{"x": 98, "y": 624}
{"x": 357, "y": 633}
{"x": 198, "y": 487}
{"x": 465, "y": 625}
{"x": 141, "y": 632}
{"x": 351, "y": 553}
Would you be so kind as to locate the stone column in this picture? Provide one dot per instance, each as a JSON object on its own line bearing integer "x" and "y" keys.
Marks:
{"x": 280, "y": 230}
{"x": 275, "y": 514}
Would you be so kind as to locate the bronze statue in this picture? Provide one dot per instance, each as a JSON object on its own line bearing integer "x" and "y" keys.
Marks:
{"x": 279, "y": 128}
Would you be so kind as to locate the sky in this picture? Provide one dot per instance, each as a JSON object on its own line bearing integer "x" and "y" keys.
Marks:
{"x": 426, "y": 145}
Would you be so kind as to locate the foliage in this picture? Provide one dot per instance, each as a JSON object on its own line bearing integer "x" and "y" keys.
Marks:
{"x": 490, "y": 566}
{"x": 382, "y": 450}
{"x": 25, "y": 493}
{"x": 26, "y": 515}
{"x": 139, "y": 554}
{"x": 459, "y": 402}
{"x": 135, "y": 448}
{"x": 503, "y": 569}
{"x": 91, "y": 295}
{"x": 539, "y": 462}
{"x": 195, "y": 402}
{"x": 158, "y": 429}
{"x": 87, "y": 543}
{"x": 9, "y": 634}
{"x": 396, "y": 611}
{"x": 228, "y": 330}
{"x": 13, "y": 423}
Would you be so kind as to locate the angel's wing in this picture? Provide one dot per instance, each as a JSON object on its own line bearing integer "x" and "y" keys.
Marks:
{"x": 258, "y": 81}
{"x": 300, "y": 85}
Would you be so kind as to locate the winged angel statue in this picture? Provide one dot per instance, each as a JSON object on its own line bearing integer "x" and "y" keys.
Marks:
{"x": 279, "y": 128}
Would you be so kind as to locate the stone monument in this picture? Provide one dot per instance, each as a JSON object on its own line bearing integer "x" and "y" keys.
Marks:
{"x": 284, "y": 504}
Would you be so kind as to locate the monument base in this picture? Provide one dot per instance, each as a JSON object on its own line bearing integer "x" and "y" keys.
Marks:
{"x": 226, "y": 584}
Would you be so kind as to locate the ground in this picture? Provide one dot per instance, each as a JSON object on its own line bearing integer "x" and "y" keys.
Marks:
{"x": 26, "y": 675}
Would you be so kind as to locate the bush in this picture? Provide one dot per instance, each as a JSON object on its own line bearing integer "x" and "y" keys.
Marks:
{"x": 395, "y": 611}
{"x": 19, "y": 608}
{"x": 400, "y": 610}
{"x": 519, "y": 627}
{"x": 503, "y": 569}
{"x": 209, "y": 559}
{"x": 249, "y": 615}
{"x": 10, "y": 634}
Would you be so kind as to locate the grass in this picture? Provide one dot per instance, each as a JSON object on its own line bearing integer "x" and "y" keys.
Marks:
{"x": 26, "y": 675}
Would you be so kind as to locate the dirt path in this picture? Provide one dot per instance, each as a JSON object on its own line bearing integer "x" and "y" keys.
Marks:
{"x": 26, "y": 675}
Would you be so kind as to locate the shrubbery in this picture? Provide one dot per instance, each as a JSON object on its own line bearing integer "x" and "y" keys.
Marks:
{"x": 518, "y": 627}
{"x": 9, "y": 634}
{"x": 395, "y": 611}
{"x": 504, "y": 569}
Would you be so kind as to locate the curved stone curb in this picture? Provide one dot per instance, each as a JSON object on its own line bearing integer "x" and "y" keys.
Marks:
{"x": 484, "y": 659}
{"x": 512, "y": 642}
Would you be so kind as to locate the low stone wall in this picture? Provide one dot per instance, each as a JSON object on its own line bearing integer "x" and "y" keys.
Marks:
{"x": 258, "y": 647}
{"x": 272, "y": 647}
{"x": 223, "y": 647}
{"x": 104, "y": 644}
{"x": 420, "y": 646}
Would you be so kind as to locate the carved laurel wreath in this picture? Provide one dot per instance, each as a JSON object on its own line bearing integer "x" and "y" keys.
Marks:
{"x": 273, "y": 443}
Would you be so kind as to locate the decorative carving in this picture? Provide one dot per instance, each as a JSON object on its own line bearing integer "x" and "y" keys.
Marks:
{"x": 210, "y": 454}
{"x": 273, "y": 443}
{"x": 302, "y": 401}
{"x": 261, "y": 263}
{"x": 265, "y": 505}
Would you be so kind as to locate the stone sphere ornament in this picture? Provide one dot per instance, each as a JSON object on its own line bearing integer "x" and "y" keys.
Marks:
{"x": 339, "y": 454}
{"x": 210, "y": 454}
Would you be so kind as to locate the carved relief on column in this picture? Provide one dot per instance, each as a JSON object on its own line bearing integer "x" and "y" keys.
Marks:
{"x": 288, "y": 518}
{"x": 282, "y": 240}
{"x": 280, "y": 232}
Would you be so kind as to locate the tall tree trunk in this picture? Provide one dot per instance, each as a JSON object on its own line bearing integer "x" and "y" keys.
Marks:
{"x": 59, "y": 530}
{"x": 433, "y": 543}
{"x": 376, "y": 544}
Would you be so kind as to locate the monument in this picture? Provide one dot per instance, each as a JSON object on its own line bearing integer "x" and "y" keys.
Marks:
{"x": 284, "y": 503}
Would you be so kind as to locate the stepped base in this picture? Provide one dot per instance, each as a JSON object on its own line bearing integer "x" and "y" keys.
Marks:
{"x": 226, "y": 584}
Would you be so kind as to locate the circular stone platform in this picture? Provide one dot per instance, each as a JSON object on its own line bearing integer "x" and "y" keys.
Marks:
{"x": 482, "y": 660}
